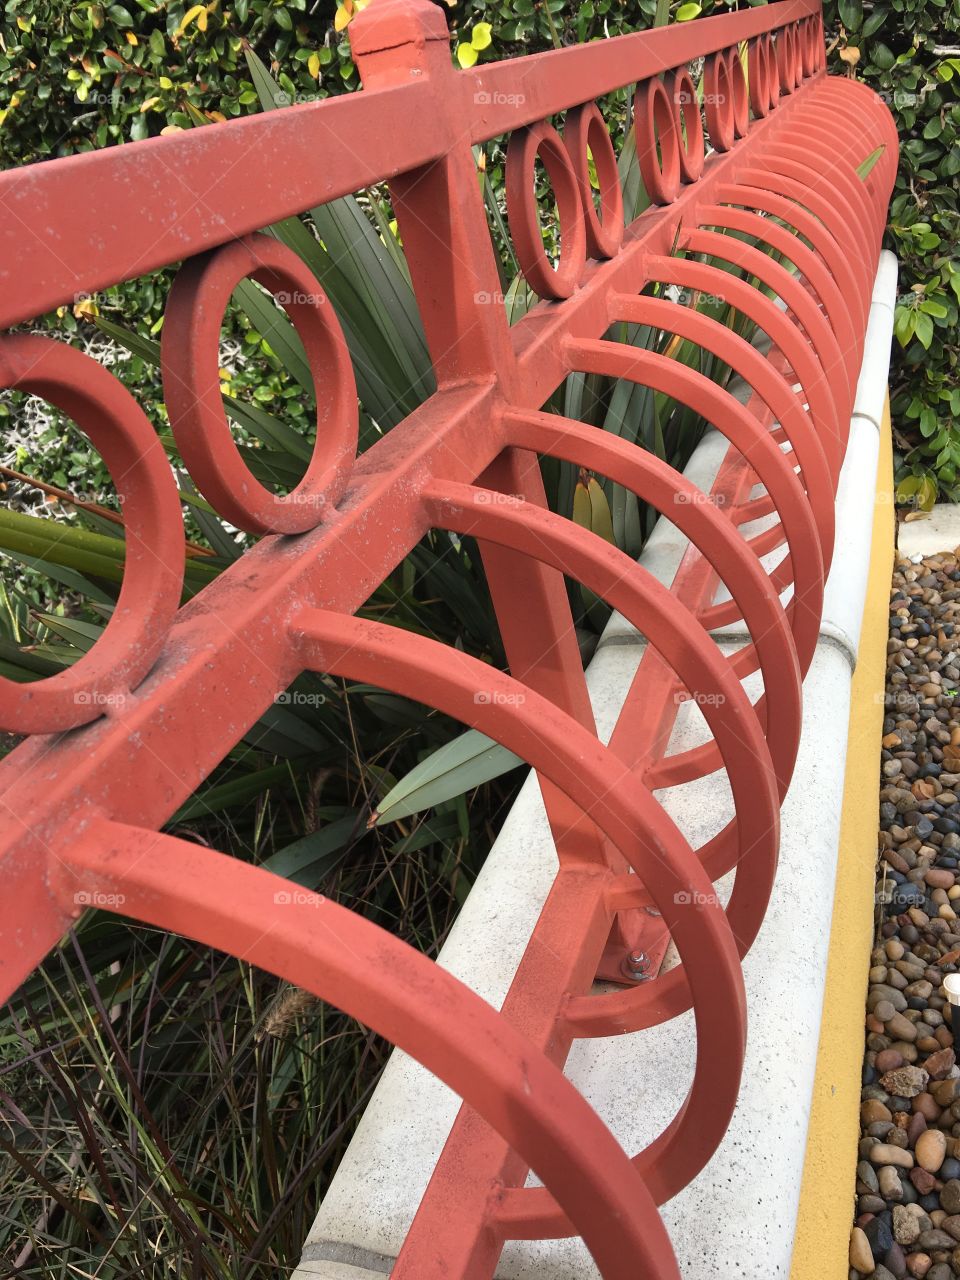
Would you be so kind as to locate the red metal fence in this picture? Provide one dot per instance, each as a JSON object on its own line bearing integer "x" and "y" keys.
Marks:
{"x": 116, "y": 743}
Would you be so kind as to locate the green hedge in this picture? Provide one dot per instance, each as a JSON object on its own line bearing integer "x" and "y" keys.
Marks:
{"x": 909, "y": 51}
{"x": 78, "y": 76}
{"x": 74, "y": 77}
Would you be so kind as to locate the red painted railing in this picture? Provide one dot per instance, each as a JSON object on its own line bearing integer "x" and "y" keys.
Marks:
{"x": 116, "y": 743}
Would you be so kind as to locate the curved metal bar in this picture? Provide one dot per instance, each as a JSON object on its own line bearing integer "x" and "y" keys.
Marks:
{"x": 851, "y": 192}
{"x": 833, "y": 93}
{"x": 339, "y": 956}
{"x": 562, "y": 545}
{"x": 796, "y": 162}
{"x": 573, "y": 759}
{"x": 819, "y": 122}
{"x": 800, "y": 303}
{"x": 820, "y": 205}
{"x": 806, "y": 261}
{"x": 771, "y": 647}
{"x": 769, "y": 385}
{"x": 778, "y": 327}
{"x": 804, "y": 222}
{"x": 732, "y": 420}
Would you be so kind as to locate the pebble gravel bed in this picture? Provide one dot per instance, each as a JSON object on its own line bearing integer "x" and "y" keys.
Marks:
{"x": 907, "y": 1215}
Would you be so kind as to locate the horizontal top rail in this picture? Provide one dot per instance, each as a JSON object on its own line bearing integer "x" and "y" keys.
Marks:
{"x": 560, "y": 78}
{"x": 56, "y": 242}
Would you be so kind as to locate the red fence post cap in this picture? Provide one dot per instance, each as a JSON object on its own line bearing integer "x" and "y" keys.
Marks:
{"x": 388, "y": 24}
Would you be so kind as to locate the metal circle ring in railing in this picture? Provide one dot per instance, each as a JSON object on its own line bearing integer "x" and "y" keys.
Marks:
{"x": 189, "y": 353}
{"x": 584, "y": 130}
{"x": 741, "y": 98}
{"x": 686, "y": 106}
{"x": 525, "y": 146}
{"x": 100, "y": 681}
{"x": 764, "y": 82}
{"x": 658, "y": 141}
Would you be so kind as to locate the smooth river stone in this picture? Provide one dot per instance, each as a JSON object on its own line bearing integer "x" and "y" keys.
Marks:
{"x": 931, "y": 1149}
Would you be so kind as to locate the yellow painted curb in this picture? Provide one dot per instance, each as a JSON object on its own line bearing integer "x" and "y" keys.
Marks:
{"x": 825, "y": 1216}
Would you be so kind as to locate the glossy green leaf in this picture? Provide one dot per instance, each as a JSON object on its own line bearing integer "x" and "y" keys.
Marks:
{"x": 851, "y": 13}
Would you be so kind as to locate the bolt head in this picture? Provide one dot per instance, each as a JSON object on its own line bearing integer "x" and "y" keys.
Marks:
{"x": 636, "y": 964}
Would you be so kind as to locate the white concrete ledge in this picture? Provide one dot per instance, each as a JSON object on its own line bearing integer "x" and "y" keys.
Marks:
{"x": 847, "y": 584}
{"x": 737, "y": 1218}
{"x": 939, "y": 531}
{"x": 875, "y": 367}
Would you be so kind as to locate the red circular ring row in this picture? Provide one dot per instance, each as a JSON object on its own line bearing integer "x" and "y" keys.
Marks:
{"x": 671, "y": 121}
{"x": 668, "y": 123}
{"x": 670, "y": 149}
{"x": 726, "y": 99}
{"x": 150, "y": 593}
